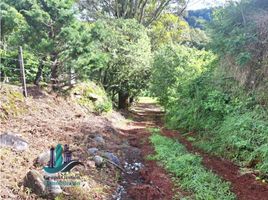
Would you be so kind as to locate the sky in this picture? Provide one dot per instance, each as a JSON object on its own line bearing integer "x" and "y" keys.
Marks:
{"x": 199, "y": 4}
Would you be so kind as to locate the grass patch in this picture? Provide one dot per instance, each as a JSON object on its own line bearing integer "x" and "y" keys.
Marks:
{"x": 12, "y": 102}
{"x": 147, "y": 100}
{"x": 188, "y": 170}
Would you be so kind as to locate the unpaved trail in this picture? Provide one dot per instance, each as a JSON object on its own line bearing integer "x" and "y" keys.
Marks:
{"x": 155, "y": 183}
{"x": 151, "y": 182}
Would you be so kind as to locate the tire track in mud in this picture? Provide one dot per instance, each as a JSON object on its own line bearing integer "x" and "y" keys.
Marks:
{"x": 245, "y": 186}
{"x": 154, "y": 182}
{"x": 151, "y": 182}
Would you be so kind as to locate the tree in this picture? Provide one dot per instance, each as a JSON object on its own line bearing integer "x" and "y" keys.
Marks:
{"x": 167, "y": 29}
{"x": 144, "y": 11}
{"x": 51, "y": 26}
{"x": 120, "y": 57}
{"x": 173, "y": 67}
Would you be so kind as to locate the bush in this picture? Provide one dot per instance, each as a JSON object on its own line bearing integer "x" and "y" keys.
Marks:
{"x": 174, "y": 67}
{"x": 243, "y": 138}
{"x": 230, "y": 121}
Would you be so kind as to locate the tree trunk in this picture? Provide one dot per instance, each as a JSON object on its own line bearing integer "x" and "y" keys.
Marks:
{"x": 71, "y": 80}
{"x": 54, "y": 75}
{"x": 39, "y": 73}
{"x": 123, "y": 100}
{"x": 131, "y": 99}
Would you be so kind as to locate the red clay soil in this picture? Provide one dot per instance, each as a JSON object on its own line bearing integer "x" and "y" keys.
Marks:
{"x": 156, "y": 184}
{"x": 244, "y": 186}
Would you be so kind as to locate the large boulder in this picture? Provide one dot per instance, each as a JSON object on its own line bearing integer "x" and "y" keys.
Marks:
{"x": 36, "y": 182}
{"x": 13, "y": 141}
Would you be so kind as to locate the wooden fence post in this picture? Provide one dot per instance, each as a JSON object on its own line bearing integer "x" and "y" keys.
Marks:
{"x": 22, "y": 72}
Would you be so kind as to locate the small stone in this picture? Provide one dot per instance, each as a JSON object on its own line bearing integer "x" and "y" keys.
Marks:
{"x": 98, "y": 161}
{"x": 53, "y": 188}
{"x": 93, "y": 97}
{"x": 43, "y": 158}
{"x": 91, "y": 164}
{"x": 112, "y": 157}
{"x": 85, "y": 185}
{"x": 92, "y": 151}
{"x": 36, "y": 182}
{"x": 13, "y": 141}
{"x": 99, "y": 139}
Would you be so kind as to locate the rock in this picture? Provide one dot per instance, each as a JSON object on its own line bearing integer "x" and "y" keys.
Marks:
{"x": 93, "y": 97}
{"x": 98, "y": 161}
{"x": 112, "y": 157}
{"x": 85, "y": 185}
{"x": 43, "y": 158}
{"x": 36, "y": 182}
{"x": 13, "y": 141}
{"x": 110, "y": 129}
{"x": 91, "y": 164}
{"x": 99, "y": 139}
{"x": 92, "y": 151}
{"x": 53, "y": 188}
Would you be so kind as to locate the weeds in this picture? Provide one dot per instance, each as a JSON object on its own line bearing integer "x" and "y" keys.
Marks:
{"x": 188, "y": 170}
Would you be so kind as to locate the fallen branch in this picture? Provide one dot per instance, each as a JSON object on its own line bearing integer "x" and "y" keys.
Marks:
{"x": 111, "y": 162}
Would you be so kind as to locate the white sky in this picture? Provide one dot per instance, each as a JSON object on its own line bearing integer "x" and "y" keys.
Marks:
{"x": 199, "y": 4}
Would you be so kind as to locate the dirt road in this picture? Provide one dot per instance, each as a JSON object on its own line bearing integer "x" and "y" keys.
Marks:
{"x": 155, "y": 183}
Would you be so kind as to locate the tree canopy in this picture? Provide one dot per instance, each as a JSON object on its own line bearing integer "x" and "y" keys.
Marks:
{"x": 144, "y": 11}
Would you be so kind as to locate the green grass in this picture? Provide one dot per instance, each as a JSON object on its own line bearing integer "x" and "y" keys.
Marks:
{"x": 147, "y": 100}
{"x": 241, "y": 138}
{"x": 188, "y": 170}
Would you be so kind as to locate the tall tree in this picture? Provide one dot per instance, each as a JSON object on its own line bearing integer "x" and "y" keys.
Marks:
{"x": 120, "y": 57}
{"x": 144, "y": 11}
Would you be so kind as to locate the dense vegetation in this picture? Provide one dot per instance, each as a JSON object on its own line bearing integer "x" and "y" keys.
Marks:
{"x": 59, "y": 46}
{"x": 221, "y": 96}
{"x": 195, "y": 18}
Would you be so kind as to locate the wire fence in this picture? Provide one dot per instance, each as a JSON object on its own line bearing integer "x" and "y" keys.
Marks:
{"x": 16, "y": 69}
{"x": 12, "y": 69}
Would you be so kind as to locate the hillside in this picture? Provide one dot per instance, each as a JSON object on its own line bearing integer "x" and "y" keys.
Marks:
{"x": 44, "y": 120}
